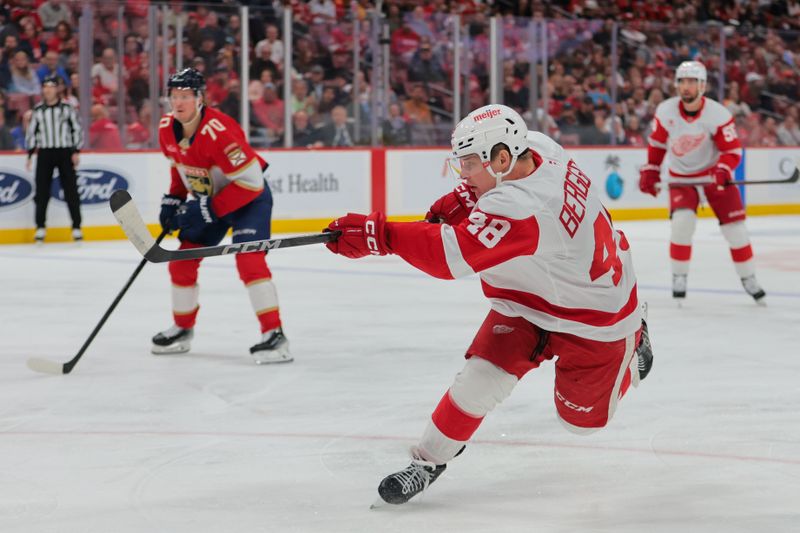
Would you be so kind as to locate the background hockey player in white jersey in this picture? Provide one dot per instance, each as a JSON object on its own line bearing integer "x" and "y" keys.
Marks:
{"x": 558, "y": 275}
{"x": 700, "y": 136}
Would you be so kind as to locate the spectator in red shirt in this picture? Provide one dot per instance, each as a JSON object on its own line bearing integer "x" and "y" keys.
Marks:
{"x": 61, "y": 36}
{"x": 138, "y": 132}
{"x": 268, "y": 111}
{"x": 103, "y": 133}
{"x": 404, "y": 42}
{"x": 132, "y": 60}
{"x": 217, "y": 87}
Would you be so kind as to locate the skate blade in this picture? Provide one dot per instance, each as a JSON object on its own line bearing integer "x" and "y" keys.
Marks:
{"x": 274, "y": 360}
{"x": 761, "y": 302}
{"x": 172, "y": 349}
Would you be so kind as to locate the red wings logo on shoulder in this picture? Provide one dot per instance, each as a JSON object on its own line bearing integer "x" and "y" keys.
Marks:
{"x": 686, "y": 143}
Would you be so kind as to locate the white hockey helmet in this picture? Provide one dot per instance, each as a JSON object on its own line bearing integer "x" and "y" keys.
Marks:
{"x": 691, "y": 69}
{"x": 486, "y": 127}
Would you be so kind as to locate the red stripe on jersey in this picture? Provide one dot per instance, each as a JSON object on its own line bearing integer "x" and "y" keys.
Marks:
{"x": 680, "y": 252}
{"x": 659, "y": 133}
{"x": 232, "y": 197}
{"x": 453, "y": 422}
{"x": 590, "y": 317}
{"x": 740, "y": 255}
{"x": 655, "y": 155}
{"x": 486, "y": 240}
{"x": 420, "y": 245}
{"x": 483, "y": 240}
{"x": 731, "y": 160}
{"x": 726, "y": 138}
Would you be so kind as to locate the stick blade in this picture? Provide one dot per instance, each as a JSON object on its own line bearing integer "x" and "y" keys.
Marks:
{"x": 45, "y": 366}
{"x": 131, "y": 221}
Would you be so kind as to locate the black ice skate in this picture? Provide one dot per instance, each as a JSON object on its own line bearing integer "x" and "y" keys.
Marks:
{"x": 754, "y": 289}
{"x": 679, "y": 286}
{"x": 401, "y": 486}
{"x": 172, "y": 340}
{"x": 273, "y": 348}
{"x": 644, "y": 353}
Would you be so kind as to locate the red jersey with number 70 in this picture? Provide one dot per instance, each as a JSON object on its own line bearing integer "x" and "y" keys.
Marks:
{"x": 217, "y": 161}
{"x": 544, "y": 247}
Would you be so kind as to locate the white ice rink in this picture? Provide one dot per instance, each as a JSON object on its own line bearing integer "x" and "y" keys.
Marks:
{"x": 209, "y": 442}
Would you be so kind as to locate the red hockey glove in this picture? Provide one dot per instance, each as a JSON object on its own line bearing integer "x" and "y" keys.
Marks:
{"x": 362, "y": 235}
{"x": 453, "y": 207}
{"x": 649, "y": 176}
{"x": 722, "y": 175}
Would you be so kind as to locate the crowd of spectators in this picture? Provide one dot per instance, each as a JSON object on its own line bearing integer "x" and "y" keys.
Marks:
{"x": 587, "y": 94}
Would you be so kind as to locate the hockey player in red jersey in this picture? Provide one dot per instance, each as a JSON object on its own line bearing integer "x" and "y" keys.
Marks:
{"x": 213, "y": 163}
{"x": 558, "y": 275}
{"x": 700, "y": 136}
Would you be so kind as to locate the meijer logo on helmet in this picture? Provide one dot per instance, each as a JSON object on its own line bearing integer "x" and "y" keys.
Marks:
{"x": 489, "y": 113}
{"x": 94, "y": 186}
{"x": 14, "y": 190}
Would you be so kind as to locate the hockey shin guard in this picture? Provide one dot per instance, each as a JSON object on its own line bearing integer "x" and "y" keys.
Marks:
{"x": 476, "y": 391}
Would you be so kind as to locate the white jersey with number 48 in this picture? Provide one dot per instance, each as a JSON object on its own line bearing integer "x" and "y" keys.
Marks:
{"x": 544, "y": 247}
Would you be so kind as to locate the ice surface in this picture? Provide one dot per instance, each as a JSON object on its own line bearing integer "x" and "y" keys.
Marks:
{"x": 210, "y": 442}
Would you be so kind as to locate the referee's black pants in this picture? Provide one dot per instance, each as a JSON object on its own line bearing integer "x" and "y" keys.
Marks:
{"x": 47, "y": 161}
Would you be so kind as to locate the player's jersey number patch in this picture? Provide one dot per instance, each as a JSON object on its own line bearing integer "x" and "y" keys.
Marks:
{"x": 605, "y": 256}
{"x": 489, "y": 231}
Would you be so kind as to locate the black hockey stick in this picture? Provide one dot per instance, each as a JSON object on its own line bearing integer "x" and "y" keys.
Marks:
{"x": 51, "y": 367}
{"x": 791, "y": 179}
{"x": 134, "y": 227}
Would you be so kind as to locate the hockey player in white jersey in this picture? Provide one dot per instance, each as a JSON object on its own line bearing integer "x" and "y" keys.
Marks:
{"x": 558, "y": 275}
{"x": 700, "y": 136}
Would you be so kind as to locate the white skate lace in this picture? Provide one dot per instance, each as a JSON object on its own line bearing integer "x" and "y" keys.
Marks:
{"x": 679, "y": 282}
{"x": 416, "y": 477}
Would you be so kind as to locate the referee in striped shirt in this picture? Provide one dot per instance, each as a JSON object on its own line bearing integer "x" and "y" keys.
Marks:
{"x": 55, "y": 135}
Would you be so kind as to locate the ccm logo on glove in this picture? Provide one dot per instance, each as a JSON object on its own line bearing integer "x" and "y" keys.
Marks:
{"x": 362, "y": 235}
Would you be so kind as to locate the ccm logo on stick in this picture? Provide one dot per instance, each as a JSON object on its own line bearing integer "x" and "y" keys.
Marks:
{"x": 247, "y": 247}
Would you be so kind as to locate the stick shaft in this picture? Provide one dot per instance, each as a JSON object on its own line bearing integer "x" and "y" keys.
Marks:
{"x": 795, "y": 176}
{"x": 157, "y": 254}
{"x": 72, "y": 362}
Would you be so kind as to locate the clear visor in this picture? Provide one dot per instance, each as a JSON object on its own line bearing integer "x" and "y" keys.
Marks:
{"x": 460, "y": 168}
